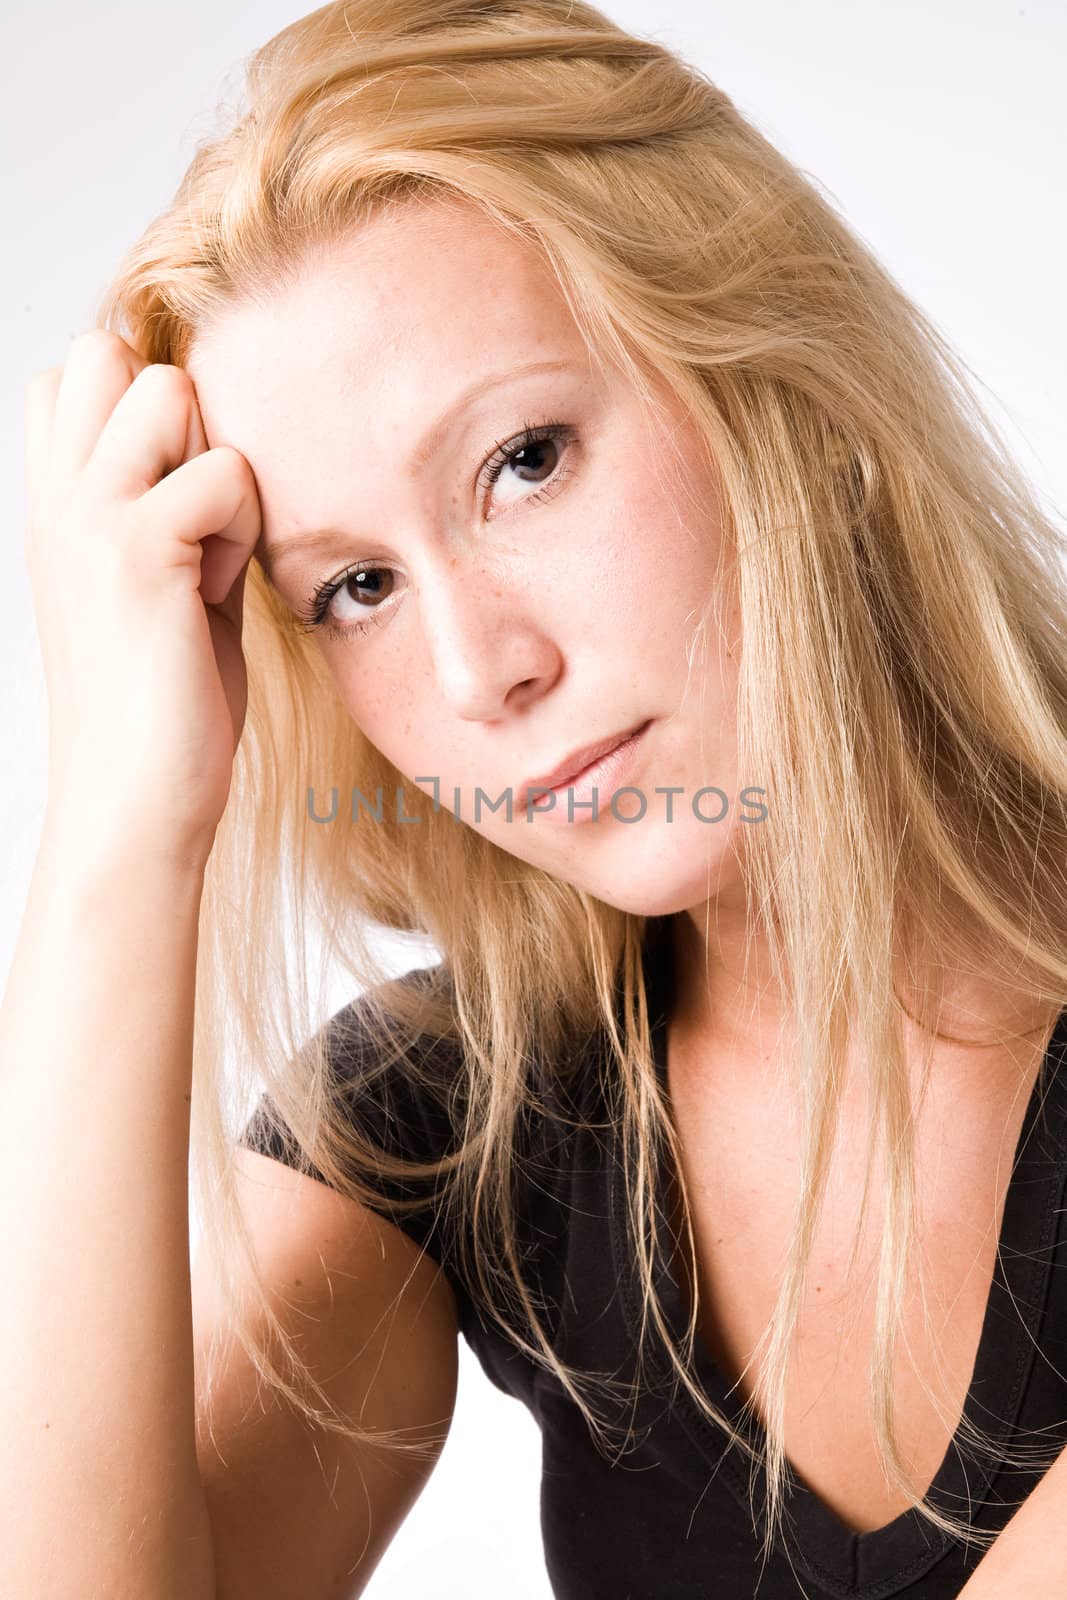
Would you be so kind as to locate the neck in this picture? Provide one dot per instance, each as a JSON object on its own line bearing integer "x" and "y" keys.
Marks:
{"x": 726, "y": 989}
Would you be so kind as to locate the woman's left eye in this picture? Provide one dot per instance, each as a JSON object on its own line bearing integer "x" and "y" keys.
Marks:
{"x": 541, "y": 445}
{"x": 543, "y": 448}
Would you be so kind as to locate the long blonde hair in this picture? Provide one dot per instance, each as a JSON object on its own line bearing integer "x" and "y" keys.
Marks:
{"x": 902, "y": 693}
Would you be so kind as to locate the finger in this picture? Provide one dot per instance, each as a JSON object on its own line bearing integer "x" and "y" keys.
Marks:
{"x": 212, "y": 501}
{"x": 153, "y": 428}
{"x": 99, "y": 368}
{"x": 39, "y": 412}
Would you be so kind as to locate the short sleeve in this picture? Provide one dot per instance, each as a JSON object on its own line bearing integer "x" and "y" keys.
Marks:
{"x": 403, "y": 1113}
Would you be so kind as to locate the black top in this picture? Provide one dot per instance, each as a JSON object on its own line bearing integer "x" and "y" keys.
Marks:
{"x": 669, "y": 1517}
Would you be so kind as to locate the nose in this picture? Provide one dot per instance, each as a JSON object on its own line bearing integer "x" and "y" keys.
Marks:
{"x": 490, "y": 648}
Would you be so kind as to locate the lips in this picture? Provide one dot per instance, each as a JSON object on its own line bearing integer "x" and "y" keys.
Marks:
{"x": 578, "y": 760}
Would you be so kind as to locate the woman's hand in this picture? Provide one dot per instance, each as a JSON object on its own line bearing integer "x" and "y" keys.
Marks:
{"x": 137, "y": 543}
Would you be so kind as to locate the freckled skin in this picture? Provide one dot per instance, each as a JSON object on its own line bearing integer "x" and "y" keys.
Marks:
{"x": 516, "y": 629}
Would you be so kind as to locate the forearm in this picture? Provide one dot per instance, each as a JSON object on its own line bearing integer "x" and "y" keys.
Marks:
{"x": 99, "y": 1489}
{"x": 1029, "y": 1555}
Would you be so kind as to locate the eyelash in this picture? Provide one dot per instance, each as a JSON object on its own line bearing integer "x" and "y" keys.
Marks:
{"x": 313, "y": 617}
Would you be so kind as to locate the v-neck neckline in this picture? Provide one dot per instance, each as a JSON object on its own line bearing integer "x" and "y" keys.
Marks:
{"x": 877, "y": 1563}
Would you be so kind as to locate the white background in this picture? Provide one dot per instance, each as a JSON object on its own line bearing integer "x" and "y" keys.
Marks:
{"x": 936, "y": 125}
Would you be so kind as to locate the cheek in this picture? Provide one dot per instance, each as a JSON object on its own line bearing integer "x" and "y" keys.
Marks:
{"x": 659, "y": 537}
{"x": 392, "y": 705}
{"x": 365, "y": 699}
{"x": 655, "y": 578}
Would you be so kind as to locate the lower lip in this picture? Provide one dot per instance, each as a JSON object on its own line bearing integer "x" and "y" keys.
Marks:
{"x": 605, "y": 775}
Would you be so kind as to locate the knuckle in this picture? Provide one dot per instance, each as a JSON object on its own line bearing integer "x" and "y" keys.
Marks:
{"x": 96, "y": 341}
{"x": 162, "y": 375}
{"x": 232, "y": 461}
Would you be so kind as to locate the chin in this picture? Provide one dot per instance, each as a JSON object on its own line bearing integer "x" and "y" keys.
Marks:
{"x": 647, "y": 905}
{"x": 653, "y": 887}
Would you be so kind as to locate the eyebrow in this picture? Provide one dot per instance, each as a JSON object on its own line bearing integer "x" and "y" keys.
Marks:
{"x": 272, "y": 555}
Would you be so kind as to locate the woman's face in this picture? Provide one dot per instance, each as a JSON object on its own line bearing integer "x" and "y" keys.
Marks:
{"x": 498, "y": 626}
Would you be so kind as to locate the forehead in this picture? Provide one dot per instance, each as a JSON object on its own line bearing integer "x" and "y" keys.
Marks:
{"x": 328, "y": 384}
{"x": 391, "y": 320}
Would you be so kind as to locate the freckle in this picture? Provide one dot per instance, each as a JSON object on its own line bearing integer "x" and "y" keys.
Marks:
{"x": 818, "y": 1288}
{"x": 299, "y": 1282}
{"x": 48, "y": 1424}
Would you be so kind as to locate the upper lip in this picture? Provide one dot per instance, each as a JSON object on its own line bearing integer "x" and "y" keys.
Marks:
{"x": 578, "y": 759}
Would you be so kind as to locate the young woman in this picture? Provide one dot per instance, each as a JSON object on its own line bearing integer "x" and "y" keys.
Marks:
{"x": 503, "y": 502}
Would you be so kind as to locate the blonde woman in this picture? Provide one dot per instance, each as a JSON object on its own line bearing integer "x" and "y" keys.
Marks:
{"x": 502, "y": 501}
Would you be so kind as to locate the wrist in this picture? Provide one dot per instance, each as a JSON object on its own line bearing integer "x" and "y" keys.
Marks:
{"x": 85, "y": 845}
